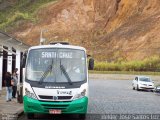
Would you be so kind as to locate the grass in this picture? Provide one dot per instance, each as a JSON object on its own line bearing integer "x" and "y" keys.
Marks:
{"x": 21, "y": 10}
{"x": 149, "y": 66}
{"x": 124, "y": 72}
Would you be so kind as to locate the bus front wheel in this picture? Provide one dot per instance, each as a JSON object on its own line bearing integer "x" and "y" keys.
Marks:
{"x": 30, "y": 115}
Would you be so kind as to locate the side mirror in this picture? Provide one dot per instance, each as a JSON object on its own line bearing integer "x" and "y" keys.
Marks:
{"x": 23, "y": 63}
{"x": 91, "y": 64}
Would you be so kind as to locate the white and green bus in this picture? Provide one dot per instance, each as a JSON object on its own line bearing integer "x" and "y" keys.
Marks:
{"x": 55, "y": 80}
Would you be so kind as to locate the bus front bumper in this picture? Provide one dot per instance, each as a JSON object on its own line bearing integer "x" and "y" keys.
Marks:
{"x": 78, "y": 106}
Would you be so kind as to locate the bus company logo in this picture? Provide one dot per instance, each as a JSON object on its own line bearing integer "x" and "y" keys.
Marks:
{"x": 55, "y": 98}
{"x": 64, "y": 92}
{"x": 54, "y": 87}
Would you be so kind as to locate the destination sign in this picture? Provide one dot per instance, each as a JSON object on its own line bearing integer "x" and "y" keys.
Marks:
{"x": 57, "y": 55}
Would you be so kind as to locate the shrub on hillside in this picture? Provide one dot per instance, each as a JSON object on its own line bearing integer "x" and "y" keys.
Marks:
{"x": 150, "y": 64}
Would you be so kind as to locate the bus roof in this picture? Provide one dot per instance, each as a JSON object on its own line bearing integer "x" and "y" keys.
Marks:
{"x": 58, "y": 46}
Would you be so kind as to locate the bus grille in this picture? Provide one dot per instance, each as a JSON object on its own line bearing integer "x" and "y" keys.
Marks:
{"x": 59, "y": 107}
{"x": 52, "y": 98}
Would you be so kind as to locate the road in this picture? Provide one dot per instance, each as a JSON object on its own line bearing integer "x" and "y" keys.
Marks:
{"x": 115, "y": 97}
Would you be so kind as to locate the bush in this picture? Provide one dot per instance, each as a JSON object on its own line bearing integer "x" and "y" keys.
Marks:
{"x": 104, "y": 66}
{"x": 150, "y": 64}
{"x": 21, "y": 10}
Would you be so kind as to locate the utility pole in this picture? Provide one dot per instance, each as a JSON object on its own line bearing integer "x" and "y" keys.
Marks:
{"x": 42, "y": 40}
{"x": 1, "y": 53}
{"x": 1, "y": 68}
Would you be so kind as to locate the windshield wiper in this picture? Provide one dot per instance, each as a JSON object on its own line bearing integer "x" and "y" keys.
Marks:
{"x": 66, "y": 74}
{"x": 49, "y": 68}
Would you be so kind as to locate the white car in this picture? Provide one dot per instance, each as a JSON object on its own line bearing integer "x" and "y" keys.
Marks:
{"x": 142, "y": 83}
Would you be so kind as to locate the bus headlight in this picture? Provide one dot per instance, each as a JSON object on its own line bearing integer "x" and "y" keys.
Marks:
{"x": 81, "y": 95}
{"x": 30, "y": 94}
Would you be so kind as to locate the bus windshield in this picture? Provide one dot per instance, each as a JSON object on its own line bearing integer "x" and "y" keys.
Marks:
{"x": 56, "y": 65}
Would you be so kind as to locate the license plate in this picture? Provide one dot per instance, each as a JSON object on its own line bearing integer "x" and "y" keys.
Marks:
{"x": 55, "y": 111}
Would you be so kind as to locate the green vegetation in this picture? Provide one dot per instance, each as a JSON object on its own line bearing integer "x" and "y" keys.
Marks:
{"x": 21, "y": 10}
{"x": 147, "y": 65}
{"x": 124, "y": 72}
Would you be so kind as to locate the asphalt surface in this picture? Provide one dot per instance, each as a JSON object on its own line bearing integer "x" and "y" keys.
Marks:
{"x": 114, "y": 97}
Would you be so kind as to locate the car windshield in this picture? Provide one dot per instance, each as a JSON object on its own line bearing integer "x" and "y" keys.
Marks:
{"x": 46, "y": 65}
{"x": 144, "y": 79}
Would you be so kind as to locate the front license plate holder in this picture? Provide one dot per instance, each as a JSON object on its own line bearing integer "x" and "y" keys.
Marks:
{"x": 53, "y": 111}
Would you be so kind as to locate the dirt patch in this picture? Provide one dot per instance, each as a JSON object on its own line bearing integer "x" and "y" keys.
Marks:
{"x": 109, "y": 29}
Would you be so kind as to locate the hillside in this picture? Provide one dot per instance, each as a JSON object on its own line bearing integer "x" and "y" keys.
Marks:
{"x": 109, "y": 29}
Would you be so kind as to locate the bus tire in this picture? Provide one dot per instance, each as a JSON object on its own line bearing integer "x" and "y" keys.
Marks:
{"x": 138, "y": 88}
{"x": 30, "y": 115}
{"x": 82, "y": 116}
